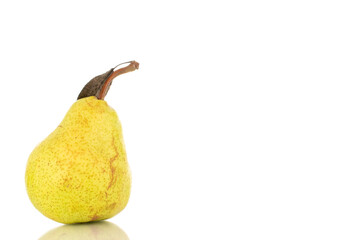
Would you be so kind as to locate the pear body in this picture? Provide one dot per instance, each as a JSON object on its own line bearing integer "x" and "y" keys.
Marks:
{"x": 80, "y": 173}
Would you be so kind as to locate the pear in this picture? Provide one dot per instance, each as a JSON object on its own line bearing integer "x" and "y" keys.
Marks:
{"x": 80, "y": 172}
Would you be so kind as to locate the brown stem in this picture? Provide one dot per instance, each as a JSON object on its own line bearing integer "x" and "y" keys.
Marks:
{"x": 99, "y": 85}
{"x": 129, "y": 68}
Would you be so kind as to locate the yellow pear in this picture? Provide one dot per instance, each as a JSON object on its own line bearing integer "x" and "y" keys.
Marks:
{"x": 80, "y": 173}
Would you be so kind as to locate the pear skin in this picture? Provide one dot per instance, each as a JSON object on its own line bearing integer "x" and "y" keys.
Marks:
{"x": 80, "y": 172}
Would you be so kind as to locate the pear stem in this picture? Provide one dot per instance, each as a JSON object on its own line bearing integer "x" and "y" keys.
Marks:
{"x": 133, "y": 65}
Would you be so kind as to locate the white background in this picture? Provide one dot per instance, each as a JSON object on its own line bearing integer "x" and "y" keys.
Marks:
{"x": 241, "y": 123}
